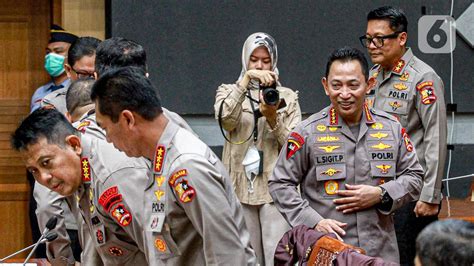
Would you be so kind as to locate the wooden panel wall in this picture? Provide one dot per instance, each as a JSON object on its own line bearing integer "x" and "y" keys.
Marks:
{"x": 24, "y": 32}
{"x": 84, "y": 18}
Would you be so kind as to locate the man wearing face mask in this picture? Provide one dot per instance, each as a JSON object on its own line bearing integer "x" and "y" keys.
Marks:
{"x": 56, "y": 53}
{"x": 254, "y": 141}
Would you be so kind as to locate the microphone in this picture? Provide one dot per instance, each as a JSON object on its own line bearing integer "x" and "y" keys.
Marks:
{"x": 51, "y": 224}
{"x": 51, "y": 236}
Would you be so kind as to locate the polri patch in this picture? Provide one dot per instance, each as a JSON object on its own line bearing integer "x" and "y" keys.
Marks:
{"x": 186, "y": 193}
{"x": 121, "y": 215}
{"x": 427, "y": 92}
{"x": 110, "y": 197}
{"x": 295, "y": 142}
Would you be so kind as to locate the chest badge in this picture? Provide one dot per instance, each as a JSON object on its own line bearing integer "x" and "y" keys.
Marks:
{"x": 377, "y": 126}
{"x": 404, "y": 76}
{"x": 400, "y": 86}
{"x": 395, "y": 105}
{"x": 331, "y": 187}
{"x": 321, "y": 128}
{"x": 379, "y": 135}
{"x": 329, "y": 148}
{"x": 331, "y": 172}
{"x": 381, "y": 146}
{"x": 384, "y": 168}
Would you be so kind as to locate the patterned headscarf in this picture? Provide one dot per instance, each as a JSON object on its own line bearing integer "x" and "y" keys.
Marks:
{"x": 253, "y": 42}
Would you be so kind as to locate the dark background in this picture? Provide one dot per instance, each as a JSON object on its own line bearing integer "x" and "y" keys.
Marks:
{"x": 194, "y": 46}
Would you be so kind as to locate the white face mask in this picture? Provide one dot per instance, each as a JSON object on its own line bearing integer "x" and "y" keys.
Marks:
{"x": 251, "y": 165}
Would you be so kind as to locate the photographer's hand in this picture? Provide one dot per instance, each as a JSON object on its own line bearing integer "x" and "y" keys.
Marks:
{"x": 269, "y": 111}
{"x": 265, "y": 77}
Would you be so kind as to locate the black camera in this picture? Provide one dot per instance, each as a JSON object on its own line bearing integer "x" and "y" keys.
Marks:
{"x": 271, "y": 96}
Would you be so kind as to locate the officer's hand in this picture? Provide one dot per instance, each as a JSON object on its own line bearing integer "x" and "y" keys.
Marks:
{"x": 331, "y": 226}
{"x": 426, "y": 209}
{"x": 269, "y": 111}
{"x": 357, "y": 197}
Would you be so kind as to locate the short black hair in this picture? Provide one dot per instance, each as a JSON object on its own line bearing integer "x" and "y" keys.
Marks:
{"x": 83, "y": 46}
{"x": 395, "y": 16}
{"x": 47, "y": 123}
{"x": 79, "y": 94}
{"x": 447, "y": 242}
{"x": 126, "y": 88}
{"x": 119, "y": 52}
{"x": 346, "y": 54}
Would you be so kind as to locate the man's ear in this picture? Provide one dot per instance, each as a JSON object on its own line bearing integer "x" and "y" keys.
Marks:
{"x": 370, "y": 84}
{"x": 75, "y": 143}
{"x": 403, "y": 37}
{"x": 129, "y": 118}
{"x": 68, "y": 69}
{"x": 324, "y": 81}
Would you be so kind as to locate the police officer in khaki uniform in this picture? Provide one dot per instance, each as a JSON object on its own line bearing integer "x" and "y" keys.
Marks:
{"x": 94, "y": 174}
{"x": 354, "y": 165}
{"x": 409, "y": 89}
{"x": 191, "y": 214}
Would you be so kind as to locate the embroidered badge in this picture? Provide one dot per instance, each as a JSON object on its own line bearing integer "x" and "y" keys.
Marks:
{"x": 186, "y": 193}
{"x": 400, "y": 86}
{"x": 121, "y": 215}
{"x": 159, "y": 180}
{"x": 91, "y": 200}
{"x": 404, "y": 76}
{"x": 159, "y": 158}
{"x": 154, "y": 222}
{"x": 321, "y": 128}
{"x": 176, "y": 175}
{"x": 333, "y": 128}
{"x": 384, "y": 168}
{"x": 331, "y": 187}
{"x": 82, "y": 126}
{"x": 109, "y": 197}
{"x": 85, "y": 170}
{"x": 368, "y": 116}
{"x": 382, "y": 181}
{"x": 427, "y": 93}
{"x": 160, "y": 244}
{"x": 398, "y": 68}
{"x": 333, "y": 117}
{"x": 407, "y": 140}
{"x": 381, "y": 146}
{"x": 379, "y": 135}
{"x": 329, "y": 148}
{"x": 395, "y": 105}
{"x": 116, "y": 251}
{"x": 330, "y": 172}
{"x": 159, "y": 194}
{"x": 377, "y": 126}
{"x": 295, "y": 142}
{"x": 327, "y": 138}
{"x": 99, "y": 235}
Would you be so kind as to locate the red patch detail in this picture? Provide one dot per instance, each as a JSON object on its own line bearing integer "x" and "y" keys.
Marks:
{"x": 295, "y": 142}
{"x": 99, "y": 236}
{"x": 333, "y": 117}
{"x": 109, "y": 197}
{"x": 82, "y": 126}
{"x": 176, "y": 175}
{"x": 399, "y": 66}
{"x": 186, "y": 193}
{"x": 159, "y": 158}
{"x": 121, "y": 215}
{"x": 427, "y": 92}
{"x": 406, "y": 140}
{"x": 368, "y": 116}
{"x": 85, "y": 170}
{"x": 116, "y": 251}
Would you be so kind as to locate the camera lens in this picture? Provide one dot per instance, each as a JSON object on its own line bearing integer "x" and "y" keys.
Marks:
{"x": 270, "y": 94}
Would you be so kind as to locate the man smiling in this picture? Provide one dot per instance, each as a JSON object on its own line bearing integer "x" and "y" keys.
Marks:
{"x": 376, "y": 172}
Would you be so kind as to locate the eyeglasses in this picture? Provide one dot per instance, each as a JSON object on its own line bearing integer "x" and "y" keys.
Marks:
{"x": 378, "y": 40}
{"x": 83, "y": 75}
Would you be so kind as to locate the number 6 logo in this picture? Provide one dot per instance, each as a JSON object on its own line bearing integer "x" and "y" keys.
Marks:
{"x": 436, "y": 34}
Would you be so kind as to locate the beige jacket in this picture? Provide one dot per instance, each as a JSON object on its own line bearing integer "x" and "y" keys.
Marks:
{"x": 238, "y": 121}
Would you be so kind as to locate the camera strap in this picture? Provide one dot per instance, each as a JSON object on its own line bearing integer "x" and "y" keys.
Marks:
{"x": 255, "y": 131}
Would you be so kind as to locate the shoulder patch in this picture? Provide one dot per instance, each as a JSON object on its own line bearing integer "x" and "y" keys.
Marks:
{"x": 427, "y": 92}
{"x": 184, "y": 191}
{"x": 176, "y": 175}
{"x": 295, "y": 142}
{"x": 110, "y": 197}
{"x": 121, "y": 215}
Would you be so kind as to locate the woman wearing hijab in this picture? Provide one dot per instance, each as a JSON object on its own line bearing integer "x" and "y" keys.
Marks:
{"x": 253, "y": 142}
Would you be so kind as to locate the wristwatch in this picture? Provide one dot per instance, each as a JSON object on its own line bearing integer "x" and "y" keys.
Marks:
{"x": 384, "y": 196}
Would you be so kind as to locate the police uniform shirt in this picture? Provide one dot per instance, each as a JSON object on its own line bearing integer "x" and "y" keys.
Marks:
{"x": 322, "y": 155}
{"x": 44, "y": 90}
{"x": 414, "y": 93}
{"x": 192, "y": 216}
{"x": 109, "y": 201}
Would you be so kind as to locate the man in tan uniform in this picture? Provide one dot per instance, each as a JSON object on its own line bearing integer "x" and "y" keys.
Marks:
{"x": 409, "y": 89}
{"x": 191, "y": 214}
{"x": 235, "y": 108}
{"x": 354, "y": 165}
{"x": 94, "y": 175}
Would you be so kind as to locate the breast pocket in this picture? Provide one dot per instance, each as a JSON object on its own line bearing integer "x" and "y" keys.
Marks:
{"x": 164, "y": 246}
{"x": 118, "y": 252}
{"x": 330, "y": 178}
